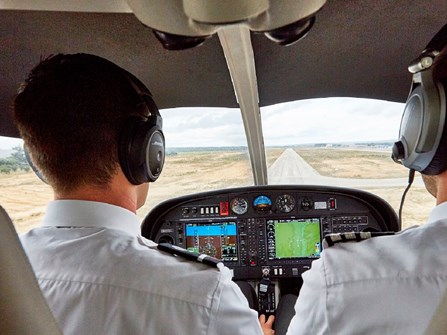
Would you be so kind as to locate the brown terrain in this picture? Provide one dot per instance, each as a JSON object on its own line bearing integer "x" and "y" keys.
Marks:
{"x": 24, "y": 196}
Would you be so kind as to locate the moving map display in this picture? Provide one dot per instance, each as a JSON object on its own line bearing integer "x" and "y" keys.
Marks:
{"x": 218, "y": 240}
{"x": 295, "y": 238}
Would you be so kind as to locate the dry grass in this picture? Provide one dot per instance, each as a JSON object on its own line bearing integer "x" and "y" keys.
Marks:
{"x": 193, "y": 172}
{"x": 352, "y": 163}
{"x": 372, "y": 164}
{"x": 24, "y": 196}
{"x": 417, "y": 206}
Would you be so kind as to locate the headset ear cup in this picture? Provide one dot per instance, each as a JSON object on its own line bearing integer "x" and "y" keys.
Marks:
{"x": 438, "y": 163}
{"x": 126, "y": 139}
{"x": 141, "y": 151}
{"x": 155, "y": 153}
{"x": 422, "y": 130}
{"x": 422, "y": 144}
{"x": 33, "y": 167}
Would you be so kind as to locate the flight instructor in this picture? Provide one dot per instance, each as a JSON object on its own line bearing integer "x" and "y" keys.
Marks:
{"x": 391, "y": 284}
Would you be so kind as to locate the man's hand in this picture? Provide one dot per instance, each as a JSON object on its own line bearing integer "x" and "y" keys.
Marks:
{"x": 267, "y": 325}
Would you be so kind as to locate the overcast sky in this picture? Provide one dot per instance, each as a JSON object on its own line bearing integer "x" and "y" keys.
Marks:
{"x": 300, "y": 122}
{"x": 307, "y": 121}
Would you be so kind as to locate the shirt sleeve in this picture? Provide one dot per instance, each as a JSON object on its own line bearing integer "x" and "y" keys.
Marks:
{"x": 233, "y": 316}
{"x": 310, "y": 308}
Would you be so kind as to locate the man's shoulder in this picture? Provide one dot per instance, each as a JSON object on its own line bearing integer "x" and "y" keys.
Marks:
{"x": 168, "y": 258}
{"x": 175, "y": 276}
{"x": 135, "y": 253}
{"x": 116, "y": 259}
{"x": 406, "y": 254}
{"x": 331, "y": 240}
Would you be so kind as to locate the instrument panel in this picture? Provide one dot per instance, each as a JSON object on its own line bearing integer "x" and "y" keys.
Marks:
{"x": 273, "y": 231}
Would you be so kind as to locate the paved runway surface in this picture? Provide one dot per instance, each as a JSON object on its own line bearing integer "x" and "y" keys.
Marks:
{"x": 291, "y": 169}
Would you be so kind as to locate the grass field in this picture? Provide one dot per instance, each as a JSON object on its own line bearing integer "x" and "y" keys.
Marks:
{"x": 364, "y": 163}
{"x": 24, "y": 196}
{"x": 352, "y": 163}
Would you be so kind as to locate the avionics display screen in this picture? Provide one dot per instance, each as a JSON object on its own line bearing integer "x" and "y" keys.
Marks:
{"x": 214, "y": 239}
{"x": 294, "y": 238}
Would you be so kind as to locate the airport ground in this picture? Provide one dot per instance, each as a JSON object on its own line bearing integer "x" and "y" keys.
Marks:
{"x": 24, "y": 196}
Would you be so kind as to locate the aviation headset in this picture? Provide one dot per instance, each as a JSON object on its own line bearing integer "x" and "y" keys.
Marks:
{"x": 422, "y": 144}
{"x": 141, "y": 149}
{"x": 142, "y": 143}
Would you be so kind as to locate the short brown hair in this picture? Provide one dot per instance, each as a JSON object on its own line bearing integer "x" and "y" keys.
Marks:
{"x": 70, "y": 112}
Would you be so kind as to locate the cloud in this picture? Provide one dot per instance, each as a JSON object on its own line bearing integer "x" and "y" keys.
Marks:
{"x": 7, "y": 143}
{"x": 203, "y": 127}
{"x": 299, "y": 122}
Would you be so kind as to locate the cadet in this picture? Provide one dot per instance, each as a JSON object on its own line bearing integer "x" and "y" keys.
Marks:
{"x": 95, "y": 134}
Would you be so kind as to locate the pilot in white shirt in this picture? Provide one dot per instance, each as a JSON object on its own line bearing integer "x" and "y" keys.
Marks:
{"x": 100, "y": 276}
{"x": 391, "y": 284}
{"x": 383, "y": 285}
{"x": 95, "y": 134}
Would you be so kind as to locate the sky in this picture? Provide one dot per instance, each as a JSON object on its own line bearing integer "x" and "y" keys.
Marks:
{"x": 299, "y": 122}
{"x": 307, "y": 121}
{"x": 7, "y": 143}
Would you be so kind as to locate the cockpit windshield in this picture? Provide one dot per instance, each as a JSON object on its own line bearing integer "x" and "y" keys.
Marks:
{"x": 333, "y": 141}
{"x": 342, "y": 142}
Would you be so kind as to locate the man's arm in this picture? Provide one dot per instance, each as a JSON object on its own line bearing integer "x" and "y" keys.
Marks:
{"x": 310, "y": 308}
{"x": 233, "y": 316}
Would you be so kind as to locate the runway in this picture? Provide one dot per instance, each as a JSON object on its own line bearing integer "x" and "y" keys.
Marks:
{"x": 291, "y": 169}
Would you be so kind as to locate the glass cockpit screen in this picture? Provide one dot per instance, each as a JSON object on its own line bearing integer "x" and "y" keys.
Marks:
{"x": 214, "y": 239}
{"x": 295, "y": 238}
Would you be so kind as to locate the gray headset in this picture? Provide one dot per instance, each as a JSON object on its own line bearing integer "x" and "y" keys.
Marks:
{"x": 422, "y": 144}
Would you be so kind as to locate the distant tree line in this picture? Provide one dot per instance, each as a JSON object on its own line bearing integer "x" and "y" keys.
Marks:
{"x": 16, "y": 161}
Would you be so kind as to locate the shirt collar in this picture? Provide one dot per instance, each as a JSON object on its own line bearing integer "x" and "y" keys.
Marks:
{"x": 79, "y": 213}
{"x": 438, "y": 213}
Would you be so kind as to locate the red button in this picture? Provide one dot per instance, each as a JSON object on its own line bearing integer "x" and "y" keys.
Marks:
{"x": 223, "y": 208}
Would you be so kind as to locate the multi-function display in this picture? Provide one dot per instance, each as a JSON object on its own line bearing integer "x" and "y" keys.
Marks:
{"x": 295, "y": 238}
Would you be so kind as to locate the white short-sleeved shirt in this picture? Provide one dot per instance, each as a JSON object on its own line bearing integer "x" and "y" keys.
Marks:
{"x": 384, "y": 285}
{"x": 100, "y": 277}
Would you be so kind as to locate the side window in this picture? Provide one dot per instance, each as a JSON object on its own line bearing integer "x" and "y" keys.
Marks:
{"x": 206, "y": 149}
{"x": 22, "y": 194}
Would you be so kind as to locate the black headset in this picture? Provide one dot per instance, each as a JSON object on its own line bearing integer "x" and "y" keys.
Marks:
{"x": 422, "y": 144}
{"x": 142, "y": 143}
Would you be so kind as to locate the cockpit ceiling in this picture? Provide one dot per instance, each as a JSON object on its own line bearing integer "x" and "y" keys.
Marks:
{"x": 356, "y": 48}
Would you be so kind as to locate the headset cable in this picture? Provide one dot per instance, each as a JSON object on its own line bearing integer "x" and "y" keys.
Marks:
{"x": 410, "y": 181}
